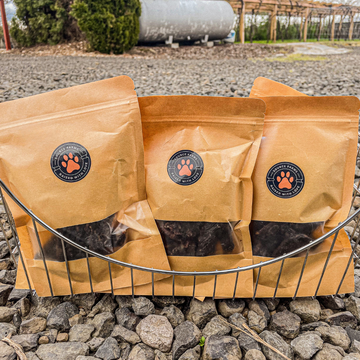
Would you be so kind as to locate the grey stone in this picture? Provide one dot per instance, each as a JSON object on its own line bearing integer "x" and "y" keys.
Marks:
{"x": 352, "y": 356}
{"x": 260, "y": 308}
{"x": 141, "y": 352}
{"x": 248, "y": 343}
{"x": 156, "y": 331}
{"x": 31, "y": 356}
{"x": 6, "y": 329}
{"x": 43, "y": 340}
{"x": 353, "y": 305}
{"x": 7, "y": 352}
{"x": 23, "y": 305}
{"x": 254, "y": 354}
{"x": 201, "y": 312}
{"x": 124, "y": 301}
{"x": 332, "y": 302}
{"x": 17, "y": 294}
{"x": 126, "y": 318}
{"x": 286, "y": 324}
{"x": 161, "y": 356}
{"x": 278, "y": 343}
{"x": 216, "y": 326}
{"x": 174, "y": 315}
{"x": 45, "y": 305}
{"x": 58, "y": 317}
{"x": 81, "y": 333}
{"x": 309, "y": 310}
{"x": 221, "y": 347}
{"x": 271, "y": 303}
{"x": 33, "y": 325}
{"x": 328, "y": 352}
{"x": 27, "y": 341}
{"x": 121, "y": 333}
{"x": 125, "y": 349}
{"x": 104, "y": 324}
{"x": 229, "y": 307}
{"x": 5, "y": 291}
{"x": 187, "y": 335}
{"x": 62, "y": 337}
{"x": 82, "y": 357}
{"x": 76, "y": 320}
{"x": 256, "y": 322}
{"x": 17, "y": 320}
{"x": 353, "y": 334}
{"x": 95, "y": 343}
{"x": 50, "y": 334}
{"x": 84, "y": 301}
{"x": 62, "y": 351}
{"x": 191, "y": 354}
{"x": 106, "y": 304}
{"x": 4, "y": 249}
{"x": 109, "y": 350}
{"x": 313, "y": 326}
{"x": 165, "y": 301}
{"x": 335, "y": 335}
{"x": 5, "y": 264}
{"x": 307, "y": 345}
{"x": 8, "y": 276}
{"x": 237, "y": 320}
{"x": 343, "y": 319}
{"x": 355, "y": 346}
{"x": 6, "y": 314}
{"x": 143, "y": 306}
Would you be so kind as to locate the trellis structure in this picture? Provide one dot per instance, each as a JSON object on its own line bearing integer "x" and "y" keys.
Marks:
{"x": 303, "y": 9}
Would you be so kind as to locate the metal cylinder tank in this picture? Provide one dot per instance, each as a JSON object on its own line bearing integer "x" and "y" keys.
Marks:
{"x": 185, "y": 20}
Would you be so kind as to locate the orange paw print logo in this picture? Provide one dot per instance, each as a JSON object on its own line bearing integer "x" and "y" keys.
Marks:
{"x": 185, "y": 168}
{"x": 285, "y": 180}
{"x": 70, "y": 163}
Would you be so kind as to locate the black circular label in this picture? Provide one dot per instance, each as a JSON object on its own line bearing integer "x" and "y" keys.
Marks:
{"x": 285, "y": 180}
{"x": 70, "y": 162}
{"x": 185, "y": 167}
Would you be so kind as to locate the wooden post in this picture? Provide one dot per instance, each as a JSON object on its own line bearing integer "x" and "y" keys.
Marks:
{"x": 351, "y": 28}
{"x": 274, "y": 23}
{"x": 306, "y": 24}
{"x": 333, "y": 28}
{"x": 301, "y": 28}
{"x": 320, "y": 23}
{"x": 242, "y": 23}
{"x": 340, "y": 27}
{"x": 5, "y": 26}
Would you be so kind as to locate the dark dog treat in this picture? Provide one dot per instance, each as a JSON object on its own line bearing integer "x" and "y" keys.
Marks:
{"x": 195, "y": 238}
{"x": 104, "y": 237}
{"x": 272, "y": 239}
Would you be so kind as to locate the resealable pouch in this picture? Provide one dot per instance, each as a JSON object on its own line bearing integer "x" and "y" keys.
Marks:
{"x": 303, "y": 182}
{"x": 75, "y": 158}
{"x": 199, "y": 157}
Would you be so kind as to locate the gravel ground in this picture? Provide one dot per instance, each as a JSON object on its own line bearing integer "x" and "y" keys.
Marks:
{"x": 23, "y": 75}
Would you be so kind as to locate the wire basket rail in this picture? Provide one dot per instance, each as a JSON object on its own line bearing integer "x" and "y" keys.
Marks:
{"x": 281, "y": 259}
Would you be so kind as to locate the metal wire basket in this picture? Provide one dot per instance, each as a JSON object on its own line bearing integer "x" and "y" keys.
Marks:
{"x": 354, "y": 215}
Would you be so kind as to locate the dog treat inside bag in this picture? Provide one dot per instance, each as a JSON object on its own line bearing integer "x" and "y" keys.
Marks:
{"x": 199, "y": 157}
{"x": 75, "y": 158}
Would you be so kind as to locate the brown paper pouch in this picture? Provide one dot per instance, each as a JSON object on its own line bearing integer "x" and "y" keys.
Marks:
{"x": 313, "y": 142}
{"x": 199, "y": 157}
{"x": 75, "y": 158}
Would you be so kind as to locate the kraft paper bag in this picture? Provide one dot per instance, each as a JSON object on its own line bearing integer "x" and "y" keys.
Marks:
{"x": 303, "y": 182}
{"x": 199, "y": 157}
{"x": 75, "y": 158}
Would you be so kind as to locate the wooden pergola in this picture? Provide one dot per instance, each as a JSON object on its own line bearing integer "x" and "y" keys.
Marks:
{"x": 301, "y": 9}
{"x": 5, "y": 25}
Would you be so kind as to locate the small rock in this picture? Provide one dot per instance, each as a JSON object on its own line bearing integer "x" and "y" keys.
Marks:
{"x": 33, "y": 326}
{"x": 5, "y": 291}
{"x": 17, "y": 320}
{"x": 165, "y": 301}
{"x": 307, "y": 345}
{"x": 237, "y": 320}
{"x": 201, "y": 312}
{"x": 191, "y": 354}
{"x": 332, "y": 302}
{"x": 271, "y": 303}
{"x": 104, "y": 324}
{"x": 156, "y": 331}
{"x": 352, "y": 356}
{"x": 58, "y": 317}
{"x": 50, "y": 334}
{"x": 43, "y": 340}
{"x": 325, "y": 313}
{"x": 4, "y": 249}
{"x": 95, "y": 343}
{"x": 124, "y": 301}
{"x": 342, "y": 319}
{"x": 286, "y": 324}
{"x": 17, "y": 294}
{"x": 187, "y": 335}
{"x": 81, "y": 357}
{"x": 174, "y": 315}
{"x": 6, "y": 329}
{"x": 277, "y": 342}
{"x": 142, "y": 306}
{"x": 353, "y": 334}
{"x": 62, "y": 337}
{"x": 126, "y": 318}
{"x": 62, "y": 351}
{"x": 27, "y": 341}
{"x": 313, "y": 326}
{"x": 160, "y": 355}
{"x": 229, "y": 307}
{"x": 260, "y": 308}
{"x": 7, "y": 352}
{"x": 125, "y": 349}
{"x": 106, "y": 304}
{"x": 309, "y": 310}
{"x": 31, "y": 356}
{"x": 256, "y": 321}
{"x": 45, "y": 305}
{"x": 335, "y": 335}
{"x": 221, "y": 347}
{"x": 328, "y": 353}
{"x": 248, "y": 343}
{"x": 216, "y": 326}
{"x": 121, "y": 333}
{"x": 254, "y": 354}
{"x": 76, "y": 320}
{"x": 6, "y": 314}
{"x": 81, "y": 333}
{"x": 355, "y": 346}
{"x": 23, "y": 305}
{"x": 5, "y": 264}
{"x": 8, "y": 276}
{"x": 141, "y": 352}
{"x": 353, "y": 305}
{"x": 84, "y": 301}
{"x": 109, "y": 350}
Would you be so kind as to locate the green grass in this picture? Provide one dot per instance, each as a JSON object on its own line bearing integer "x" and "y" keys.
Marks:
{"x": 322, "y": 41}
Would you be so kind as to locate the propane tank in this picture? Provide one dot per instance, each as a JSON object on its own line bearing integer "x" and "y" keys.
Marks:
{"x": 185, "y": 20}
